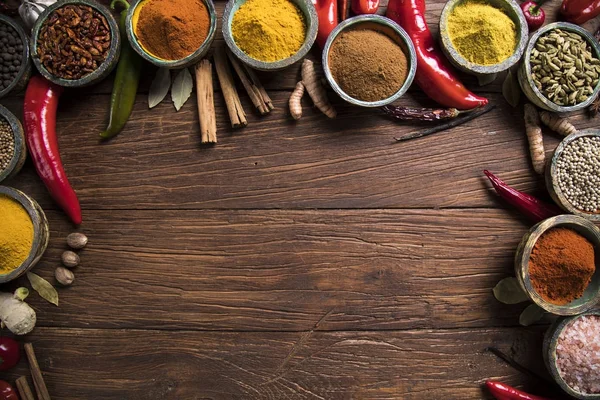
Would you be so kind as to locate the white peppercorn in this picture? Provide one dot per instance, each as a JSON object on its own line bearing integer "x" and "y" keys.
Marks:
{"x": 7, "y": 144}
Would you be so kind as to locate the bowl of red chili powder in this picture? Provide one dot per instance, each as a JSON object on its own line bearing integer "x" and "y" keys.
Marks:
{"x": 557, "y": 264}
{"x": 171, "y": 33}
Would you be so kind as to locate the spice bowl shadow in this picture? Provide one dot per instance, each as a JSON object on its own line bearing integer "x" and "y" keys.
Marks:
{"x": 185, "y": 62}
{"x": 513, "y": 11}
{"x": 390, "y": 29}
{"x": 41, "y": 232}
{"x": 551, "y": 175}
{"x": 20, "y": 153}
{"x": 103, "y": 70}
{"x": 525, "y": 73}
{"x": 312, "y": 22}
{"x": 24, "y": 73}
{"x": 550, "y": 345}
{"x": 583, "y": 227}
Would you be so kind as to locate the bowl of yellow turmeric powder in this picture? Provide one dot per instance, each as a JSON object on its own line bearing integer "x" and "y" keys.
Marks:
{"x": 483, "y": 37}
{"x": 23, "y": 233}
{"x": 270, "y": 35}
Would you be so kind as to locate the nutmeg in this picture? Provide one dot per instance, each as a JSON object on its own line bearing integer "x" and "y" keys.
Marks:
{"x": 64, "y": 276}
{"x": 70, "y": 259}
{"x": 77, "y": 240}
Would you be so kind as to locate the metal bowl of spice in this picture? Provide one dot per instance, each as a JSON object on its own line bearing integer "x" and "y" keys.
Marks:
{"x": 12, "y": 144}
{"x": 573, "y": 178}
{"x": 24, "y": 233}
{"x": 572, "y": 354}
{"x": 369, "y": 60}
{"x": 75, "y": 43}
{"x": 557, "y": 262}
{"x": 483, "y": 38}
{"x": 15, "y": 67}
{"x": 270, "y": 35}
{"x": 561, "y": 68}
{"x": 171, "y": 33}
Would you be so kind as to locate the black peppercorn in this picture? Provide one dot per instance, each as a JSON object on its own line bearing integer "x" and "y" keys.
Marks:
{"x": 11, "y": 55}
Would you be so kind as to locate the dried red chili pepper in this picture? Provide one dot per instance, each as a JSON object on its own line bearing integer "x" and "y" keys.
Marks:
{"x": 39, "y": 115}
{"x": 580, "y": 11}
{"x": 434, "y": 75}
{"x": 327, "y": 11}
{"x": 360, "y": 7}
{"x": 502, "y": 391}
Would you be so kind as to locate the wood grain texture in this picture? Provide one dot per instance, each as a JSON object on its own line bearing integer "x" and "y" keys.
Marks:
{"x": 155, "y": 365}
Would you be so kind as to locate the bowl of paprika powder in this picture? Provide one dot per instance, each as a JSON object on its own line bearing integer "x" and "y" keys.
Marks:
{"x": 557, "y": 262}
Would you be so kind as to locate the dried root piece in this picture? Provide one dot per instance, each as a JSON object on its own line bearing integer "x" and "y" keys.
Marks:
{"x": 315, "y": 90}
{"x": 557, "y": 124}
{"x": 15, "y": 314}
{"x": 534, "y": 136}
{"x": 295, "y": 101}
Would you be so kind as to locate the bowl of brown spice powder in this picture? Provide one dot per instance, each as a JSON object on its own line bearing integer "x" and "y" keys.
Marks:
{"x": 369, "y": 61}
{"x": 556, "y": 264}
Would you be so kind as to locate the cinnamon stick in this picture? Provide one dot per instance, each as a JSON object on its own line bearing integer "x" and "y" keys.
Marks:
{"x": 24, "y": 390}
{"x": 256, "y": 91}
{"x": 237, "y": 116}
{"x": 206, "y": 103}
{"x": 36, "y": 374}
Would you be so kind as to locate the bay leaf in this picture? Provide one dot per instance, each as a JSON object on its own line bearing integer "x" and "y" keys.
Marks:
{"x": 43, "y": 287}
{"x": 486, "y": 79}
{"x": 532, "y": 314}
{"x": 508, "y": 291}
{"x": 511, "y": 89}
{"x": 160, "y": 87}
{"x": 182, "y": 88}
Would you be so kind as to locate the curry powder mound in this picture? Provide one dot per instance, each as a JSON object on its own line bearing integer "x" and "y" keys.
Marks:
{"x": 269, "y": 30}
{"x": 481, "y": 33}
{"x": 16, "y": 234}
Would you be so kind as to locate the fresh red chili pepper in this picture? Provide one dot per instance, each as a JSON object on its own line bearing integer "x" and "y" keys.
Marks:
{"x": 580, "y": 11}
{"x": 343, "y": 10}
{"x": 39, "y": 115}
{"x": 327, "y": 12}
{"x": 502, "y": 391}
{"x": 434, "y": 75}
{"x": 7, "y": 392}
{"x": 9, "y": 353}
{"x": 360, "y": 7}
{"x": 530, "y": 206}
{"x": 534, "y": 14}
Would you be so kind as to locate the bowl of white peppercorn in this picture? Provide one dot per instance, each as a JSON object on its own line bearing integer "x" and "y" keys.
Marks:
{"x": 573, "y": 178}
{"x": 12, "y": 144}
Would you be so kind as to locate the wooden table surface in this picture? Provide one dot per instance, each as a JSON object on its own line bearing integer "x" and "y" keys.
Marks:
{"x": 308, "y": 260}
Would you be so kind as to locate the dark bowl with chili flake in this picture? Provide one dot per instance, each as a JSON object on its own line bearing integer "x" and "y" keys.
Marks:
{"x": 19, "y": 78}
{"x": 585, "y": 228}
{"x": 75, "y": 43}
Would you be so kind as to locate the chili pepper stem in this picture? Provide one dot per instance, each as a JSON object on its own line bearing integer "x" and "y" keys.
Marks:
{"x": 123, "y": 3}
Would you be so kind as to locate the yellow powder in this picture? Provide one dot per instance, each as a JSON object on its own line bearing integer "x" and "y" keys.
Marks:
{"x": 16, "y": 234}
{"x": 269, "y": 30}
{"x": 481, "y": 33}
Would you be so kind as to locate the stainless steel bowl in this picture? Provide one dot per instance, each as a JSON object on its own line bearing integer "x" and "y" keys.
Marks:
{"x": 312, "y": 22}
{"x": 18, "y": 158}
{"x": 526, "y": 82}
{"x": 513, "y": 11}
{"x": 580, "y": 225}
{"x": 24, "y": 73}
{"x": 185, "y": 62}
{"x": 389, "y": 28}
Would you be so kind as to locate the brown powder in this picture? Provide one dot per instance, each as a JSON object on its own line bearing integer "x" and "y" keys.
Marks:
{"x": 561, "y": 265}
{"x": 367, "y": 64}
{"x": 172, "y": 29}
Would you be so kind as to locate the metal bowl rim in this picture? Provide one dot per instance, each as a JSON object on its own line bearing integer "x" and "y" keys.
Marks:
{"x": 26, "y": 51}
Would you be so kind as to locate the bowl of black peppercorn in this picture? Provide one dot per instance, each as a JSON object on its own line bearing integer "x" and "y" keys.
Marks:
{"x": 15, "y": 66}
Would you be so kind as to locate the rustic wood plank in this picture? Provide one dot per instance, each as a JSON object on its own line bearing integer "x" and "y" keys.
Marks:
{"x": 152, "y": 365}
{"x": 282, "y": 270}
{"x": 351, "y": 162}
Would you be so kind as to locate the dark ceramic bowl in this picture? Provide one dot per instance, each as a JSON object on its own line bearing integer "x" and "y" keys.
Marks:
{"x": 41, "y": 232}
{"x": 18, "y": 158}
{"x": 103, "y": 70}
{"x": 24, "y": 73}
{"x": 188, "y": 61}
{"x": 550, "y": 344}
{"x": 312, "y": 23}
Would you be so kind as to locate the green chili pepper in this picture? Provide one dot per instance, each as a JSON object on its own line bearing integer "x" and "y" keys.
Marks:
{"x": 126, "y": 80}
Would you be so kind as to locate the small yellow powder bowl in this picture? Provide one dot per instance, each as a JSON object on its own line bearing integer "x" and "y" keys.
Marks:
{"x": 500, "y": 58}
{"x": 21, "y": 207}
